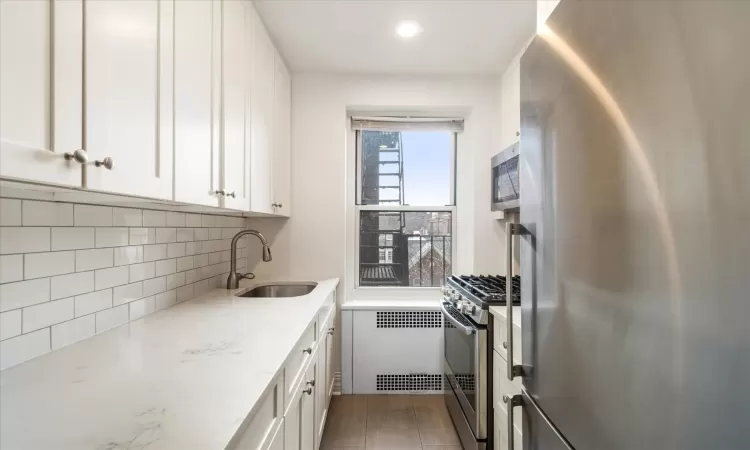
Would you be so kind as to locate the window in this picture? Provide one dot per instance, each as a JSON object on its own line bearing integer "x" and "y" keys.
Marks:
{"x": 405, "y": 201}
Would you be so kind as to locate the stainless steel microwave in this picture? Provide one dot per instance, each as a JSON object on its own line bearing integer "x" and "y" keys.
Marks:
{"x": 506, "y": 191}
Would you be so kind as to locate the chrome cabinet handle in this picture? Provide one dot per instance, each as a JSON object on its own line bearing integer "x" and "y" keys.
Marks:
{"x": 311, "y": 383}
{"x": 220, "y": 192}
{"x": 80, "y": 156}
{"x": 276, "y": 205}
{"x": 511, "y": 229}
{"x": 308, "y": 350}
{"x": 516, "y": 400}
{"x": 231, "y": 194}
{"x": 307, "y": 391}
{"x": 107, "y": 162}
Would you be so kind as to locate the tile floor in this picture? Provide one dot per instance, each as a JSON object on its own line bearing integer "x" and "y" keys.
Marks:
{"x": 384, "y": 422}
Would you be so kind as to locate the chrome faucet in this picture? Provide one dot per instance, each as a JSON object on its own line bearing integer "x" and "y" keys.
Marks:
{"x": 233, "y": 281}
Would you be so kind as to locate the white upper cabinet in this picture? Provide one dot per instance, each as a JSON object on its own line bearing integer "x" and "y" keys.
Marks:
{"x": 128, "y": 96}
{"x": 41, "y": 66}
{"x": 262, "y": 123}
{"x": 510, "y": 107}
{"x": 236, "y": 40}
{"x": 196, "y": 129}
{"x": 282, "y": 176}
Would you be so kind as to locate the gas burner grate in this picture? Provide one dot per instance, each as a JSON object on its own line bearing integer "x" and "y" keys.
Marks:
{"x": 488, "y": 288}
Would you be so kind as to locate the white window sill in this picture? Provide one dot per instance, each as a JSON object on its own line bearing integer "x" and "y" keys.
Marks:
{"x": 394, "y": 298}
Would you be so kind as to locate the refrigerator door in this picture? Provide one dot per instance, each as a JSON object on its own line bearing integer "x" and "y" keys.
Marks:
{"x": 635, "y": 262}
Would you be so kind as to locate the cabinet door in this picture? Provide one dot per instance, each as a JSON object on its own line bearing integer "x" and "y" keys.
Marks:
{"x": 128, "y": 96}
{"x": 277, "y": 441}
{"x": 235, "y": 95}
{"x": 282, "y": 149}
{"x": 330, "y": 372}
{"x": 196, "y": 154}
{"x": 511, "y": 104}
{"x": 41, "y": 89}
{"x": 307, "y": 415}
{"x": 262, "y": 135}
{"x": 321, "y": 403}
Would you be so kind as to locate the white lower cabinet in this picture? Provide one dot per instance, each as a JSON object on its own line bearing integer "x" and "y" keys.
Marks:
{"x": 299, "y": 420}
{"x": 264, "y": 431}
{"x": 503, "y": 386}
{"x": 325, "y": 376}
{"x": 277, "y": 440}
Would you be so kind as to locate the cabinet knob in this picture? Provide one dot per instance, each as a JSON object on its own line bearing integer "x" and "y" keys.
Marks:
{"x": 505, "y": 345}
{"x": 231, "y": 194}
{"x": 331, "y": 330}
{"x": 308, "y": 350}
{"x": 107, "y": 162}
{"x": 275, "y": 205}
{"x": 280, "y": 205}
{"x": 311, "y": 383}
{"x": 307, "y": 391}
{"x": 220, "y": 192}
{"x": 518, "y": 133}
{"x": 80, "y": 156}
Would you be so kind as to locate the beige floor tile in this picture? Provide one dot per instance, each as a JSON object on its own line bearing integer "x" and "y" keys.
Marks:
{"x": 391, "y": 423}
{"x": 346, "y": 424}
{"x": 433, "y": 421}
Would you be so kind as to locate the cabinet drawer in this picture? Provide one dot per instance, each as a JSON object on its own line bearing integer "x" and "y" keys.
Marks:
{"x": 263, "y": 425}
{"x": 298, "y": 359}
{"x": 325, "y": 315}
{"x": 503, "y": 386}
{"x": 501, "y": 432}
{"x": 500, "y": 335}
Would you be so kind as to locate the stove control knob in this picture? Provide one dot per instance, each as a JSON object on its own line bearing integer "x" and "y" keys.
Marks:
{"x": 456, "y": 297}
{"x": 473, "y": 310}
{"x": 464, "y": 306}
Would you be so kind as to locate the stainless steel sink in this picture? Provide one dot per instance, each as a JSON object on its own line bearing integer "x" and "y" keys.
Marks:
{"x": 279, "y": 290}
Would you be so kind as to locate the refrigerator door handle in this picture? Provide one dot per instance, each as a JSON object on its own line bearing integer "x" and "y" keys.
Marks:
{"x": 511, "y": 229}
{"x": 521, "y": 400}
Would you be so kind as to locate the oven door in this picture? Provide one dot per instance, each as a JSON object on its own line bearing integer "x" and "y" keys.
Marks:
{"x": 465, "y": 369}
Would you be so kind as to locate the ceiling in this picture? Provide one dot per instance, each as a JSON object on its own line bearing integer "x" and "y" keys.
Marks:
{"x": 358, "y": 36}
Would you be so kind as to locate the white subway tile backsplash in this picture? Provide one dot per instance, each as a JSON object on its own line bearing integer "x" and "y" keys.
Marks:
{"x": 165, "y": 267}
{"x": 93, "y": 216}
{"x": 112, "y": 237}
{"x": 38, "y": 265}
{"x": 127, "y": 217}
{"x": 11, "y": 268}
{"x": 154, "y": 252}
{"x": 10, "y": 212}
{"x": 142, "y": 307}
{"x": 185, "y": 263}
{"x": 114, "y": 276}
{"x": 72, "y": 238}
{"x": 128, "y": 255}
{"x": 127, "y": 293}
{"x": 23, "y": 348}
{"x": 111, "y": 318}
{"x": 69, "y": 271}
{"x": 164, "y": 235}
{"x": 175, "y": 280}
{"x": 72, "y": 331}
{"x": 10, "y": 324}
{"x": 72, "y": 284}
{"x": 24, "y": 293}
{"x": 184, "y": 234}
{"x": 165, "y": 299}
{"x": 24, "y": 240}
{"x": 141, "y": 236}
{"x": 193, "y": 220}
{"x": 46, "y": 314}
{"x": 176, "y": 250}
{"x": 95, "y": 301}
{"x": 200, "y": 234}
{"x": 175, "y": 219}
{"x": 154, "y": 286}
{"x": 37, "y": 214}
{"x": 154, "y": 218}
{"x": 142, "y": 271}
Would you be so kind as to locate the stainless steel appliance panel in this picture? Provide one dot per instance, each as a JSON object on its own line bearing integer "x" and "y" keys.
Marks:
{"x": 505, "y": 180}
{"x": 635, "y": 167}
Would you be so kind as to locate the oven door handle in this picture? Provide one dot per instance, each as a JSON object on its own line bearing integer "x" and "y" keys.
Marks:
{"x": 466, "y": 330}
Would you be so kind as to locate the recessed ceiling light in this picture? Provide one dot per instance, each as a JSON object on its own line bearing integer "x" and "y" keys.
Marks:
{"x": 408, "y": 28}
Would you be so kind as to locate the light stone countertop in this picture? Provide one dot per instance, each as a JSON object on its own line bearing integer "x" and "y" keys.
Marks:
{"x": 182, "y": 378}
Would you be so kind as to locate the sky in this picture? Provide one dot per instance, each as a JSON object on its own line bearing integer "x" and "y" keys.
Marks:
{"x": 427, "y": 163}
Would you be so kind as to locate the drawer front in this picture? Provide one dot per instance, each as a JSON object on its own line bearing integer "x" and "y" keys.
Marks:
{"x": 325, "y": 314}
{"x": 503, "y": 386}
{"x": 501, "y": 432}
{"x": 500, "y": 336}
{"x": 298, "y": 359}
{"x": 264, "y": 424}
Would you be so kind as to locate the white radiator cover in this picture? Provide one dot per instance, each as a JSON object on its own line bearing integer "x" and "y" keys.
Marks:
{"x": 392, "y": 351}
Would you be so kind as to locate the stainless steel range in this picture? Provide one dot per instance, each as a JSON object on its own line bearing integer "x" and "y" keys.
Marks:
{"x": 468, "y": 348}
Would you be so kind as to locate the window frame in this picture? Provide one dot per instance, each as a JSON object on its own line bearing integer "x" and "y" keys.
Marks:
{"x": 401, "y": 291}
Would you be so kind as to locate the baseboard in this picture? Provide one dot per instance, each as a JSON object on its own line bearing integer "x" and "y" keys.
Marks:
{"x": 337, "y": 383}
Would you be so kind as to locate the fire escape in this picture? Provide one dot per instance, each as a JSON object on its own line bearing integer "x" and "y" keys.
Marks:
{"x": 383, "y": 250}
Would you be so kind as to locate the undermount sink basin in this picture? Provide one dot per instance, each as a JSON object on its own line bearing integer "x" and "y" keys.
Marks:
{"x": 280, "y": 290}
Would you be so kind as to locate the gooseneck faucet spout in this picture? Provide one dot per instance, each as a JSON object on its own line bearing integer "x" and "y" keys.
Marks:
{"x": 233, "y": 281}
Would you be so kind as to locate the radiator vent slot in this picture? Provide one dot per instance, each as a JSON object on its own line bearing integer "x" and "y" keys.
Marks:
{"x": 409, "y": 319}
{"x": 409, "y": 382}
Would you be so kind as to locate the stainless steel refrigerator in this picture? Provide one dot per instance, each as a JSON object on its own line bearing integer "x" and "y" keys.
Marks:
{"x": 634, "y": 233}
